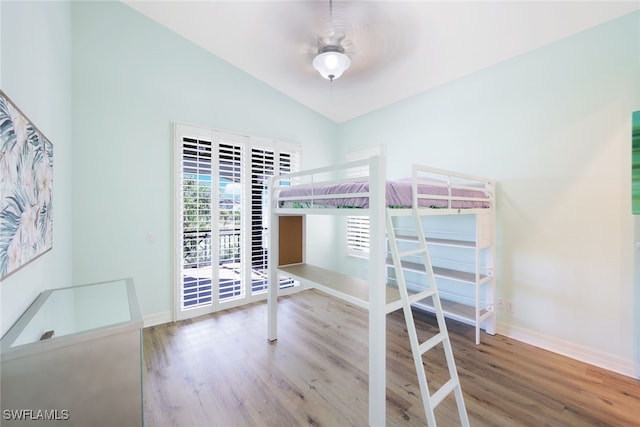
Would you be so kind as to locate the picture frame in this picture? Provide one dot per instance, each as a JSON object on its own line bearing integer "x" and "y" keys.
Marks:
{"x": 635, "y": 163}
{"x": 26, "y": 189}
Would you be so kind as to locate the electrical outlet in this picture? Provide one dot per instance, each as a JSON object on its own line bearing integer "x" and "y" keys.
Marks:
{"x": 510, "y": 307}
{"x": 501, "y": 304}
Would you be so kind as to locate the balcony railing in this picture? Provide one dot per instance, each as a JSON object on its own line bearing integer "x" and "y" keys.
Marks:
{"x": 197, "y": 247}
{"x": 197, "y": 272}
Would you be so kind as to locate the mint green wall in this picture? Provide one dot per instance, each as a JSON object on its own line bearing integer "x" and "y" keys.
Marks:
{"x": 35, "y": 73}
{"x": 132, "y": 77}
{"x": 552, "y": 127}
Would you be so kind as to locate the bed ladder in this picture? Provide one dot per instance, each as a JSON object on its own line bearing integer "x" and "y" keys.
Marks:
{"x": 429, "y": 401}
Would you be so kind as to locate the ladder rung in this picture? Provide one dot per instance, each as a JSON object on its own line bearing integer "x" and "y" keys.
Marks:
{"x": 397, "y": 304}
{"x": 407, "y": 238}
{"x": 412, "y": 252}
{"x": 432, "y": 342}
{"x": 421, "y": 295}
{"x": 439, "y": 395}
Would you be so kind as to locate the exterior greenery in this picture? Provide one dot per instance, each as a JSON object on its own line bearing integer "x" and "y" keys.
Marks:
{"x": 197, "y": 224}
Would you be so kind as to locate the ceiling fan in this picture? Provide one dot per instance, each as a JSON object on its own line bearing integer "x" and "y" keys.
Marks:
{"x": 359, "y": 38}
{"x": 331, "y": 60}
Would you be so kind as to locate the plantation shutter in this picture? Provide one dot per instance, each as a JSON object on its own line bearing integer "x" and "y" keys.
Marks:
{"x": 230, "y": 227}
{"x": 221, "y": 210}
{"x": 358, "y": 231}
{"x": 262, "y": 166}
{"x": 358, "y": 235}
{"x": 265, "y": 163}
{"x": 195, "y": 185}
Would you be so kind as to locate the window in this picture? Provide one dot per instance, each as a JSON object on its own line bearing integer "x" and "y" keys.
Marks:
{"x": 358, "y": 226}
{"x": 221, "y": 225}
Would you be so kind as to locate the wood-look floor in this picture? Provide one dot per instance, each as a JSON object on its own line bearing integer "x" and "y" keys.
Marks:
{"x": 219, "y": 370}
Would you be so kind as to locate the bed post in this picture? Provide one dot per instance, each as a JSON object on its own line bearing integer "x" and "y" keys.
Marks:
{"x": 377, "y": 293}
{"x": 274, "y": 256}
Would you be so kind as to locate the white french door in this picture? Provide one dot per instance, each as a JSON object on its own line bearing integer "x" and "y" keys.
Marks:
{"x": 221, "y": 256}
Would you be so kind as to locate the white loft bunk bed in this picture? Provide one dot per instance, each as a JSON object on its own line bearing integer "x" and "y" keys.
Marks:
{"x": 334, "y": 190}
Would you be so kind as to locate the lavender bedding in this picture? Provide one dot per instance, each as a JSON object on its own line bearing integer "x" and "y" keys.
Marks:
{"x": 398, "y": 194}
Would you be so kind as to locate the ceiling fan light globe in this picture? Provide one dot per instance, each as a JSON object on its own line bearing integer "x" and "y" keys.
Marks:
{"x": 331, "y": 65}
{"x": 330, "y": 62}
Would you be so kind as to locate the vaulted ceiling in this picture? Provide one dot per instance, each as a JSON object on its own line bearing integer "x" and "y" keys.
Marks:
{"x": 397, "y": 48}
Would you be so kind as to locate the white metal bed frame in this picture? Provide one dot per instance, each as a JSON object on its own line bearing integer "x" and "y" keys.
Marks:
{"x": 372, "y": 294}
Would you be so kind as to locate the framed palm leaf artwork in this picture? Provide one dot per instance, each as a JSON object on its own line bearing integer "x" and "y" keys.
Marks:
{"x": 26, "y": 188}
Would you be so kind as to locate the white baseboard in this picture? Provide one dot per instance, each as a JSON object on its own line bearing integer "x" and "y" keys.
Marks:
{"x": 575, "y": 351}
{"x": 158, "y": 319}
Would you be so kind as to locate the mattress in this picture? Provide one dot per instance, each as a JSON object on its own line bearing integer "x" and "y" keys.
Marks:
{"x": 398, "y": 195}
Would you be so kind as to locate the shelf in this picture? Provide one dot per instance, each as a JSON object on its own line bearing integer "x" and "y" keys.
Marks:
{"x": 456, "y": 311}
{"x": 452, "y": 242}
{"x": 445, "y": 273}
{"x": 460, "y": 276}
{"x": 442, "y": 242}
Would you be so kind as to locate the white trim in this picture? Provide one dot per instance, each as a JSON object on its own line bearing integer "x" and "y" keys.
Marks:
{"x": 167, "y": 316}
{"x": 158, "y": 318}
{"x": 204, "y": 131}
{"x": 365, "y": 152}
{"x": 579, "y": 352}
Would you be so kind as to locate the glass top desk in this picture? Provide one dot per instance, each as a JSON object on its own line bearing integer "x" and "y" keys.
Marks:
{"x": 76, "y": 352}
